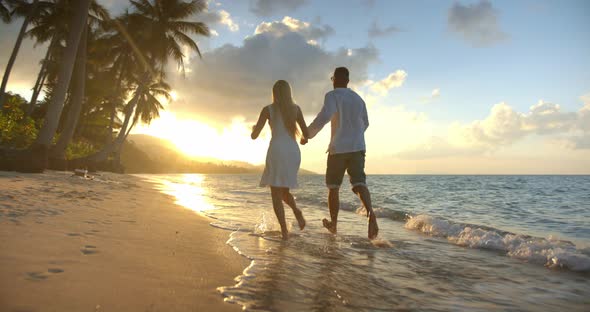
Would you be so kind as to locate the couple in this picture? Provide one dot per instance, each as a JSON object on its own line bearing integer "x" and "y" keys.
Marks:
{"x": 347, "y": 113}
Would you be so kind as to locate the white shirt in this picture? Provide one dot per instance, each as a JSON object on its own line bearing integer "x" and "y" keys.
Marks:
{"x": 348, "y": 115}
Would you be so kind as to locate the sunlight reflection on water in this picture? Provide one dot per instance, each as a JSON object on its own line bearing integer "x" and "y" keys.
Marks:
{"x": 188, "y": 191}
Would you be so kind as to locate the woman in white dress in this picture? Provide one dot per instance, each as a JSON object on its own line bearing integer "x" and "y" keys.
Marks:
{"x": 283, "y": 156}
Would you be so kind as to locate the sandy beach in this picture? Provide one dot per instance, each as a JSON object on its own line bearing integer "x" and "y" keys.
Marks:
{"x": 112, "y": 243}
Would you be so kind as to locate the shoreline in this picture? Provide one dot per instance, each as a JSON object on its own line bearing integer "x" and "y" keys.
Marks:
{"x": 113, "y": 243}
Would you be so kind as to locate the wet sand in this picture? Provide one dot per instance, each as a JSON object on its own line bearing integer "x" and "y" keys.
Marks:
{"x": 108, "y": 244}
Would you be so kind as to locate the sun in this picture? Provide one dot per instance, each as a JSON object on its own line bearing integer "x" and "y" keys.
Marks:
{"x": 173, "y": 95}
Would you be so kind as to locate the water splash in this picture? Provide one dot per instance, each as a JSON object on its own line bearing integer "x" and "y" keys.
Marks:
{"x": 549, "y": 251}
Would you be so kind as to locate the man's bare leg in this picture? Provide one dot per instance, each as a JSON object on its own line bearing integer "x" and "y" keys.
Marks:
{"x": 363, "y": 193}
{"x": 334, "y": 206}
{"x": 290, "y": 200}
{"x": 277, "y": 205}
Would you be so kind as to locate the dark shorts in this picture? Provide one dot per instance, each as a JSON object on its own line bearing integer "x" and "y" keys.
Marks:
{"x": 353, "y": 163}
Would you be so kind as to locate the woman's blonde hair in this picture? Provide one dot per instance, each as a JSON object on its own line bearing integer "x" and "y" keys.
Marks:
{"x": 281, "y": 97}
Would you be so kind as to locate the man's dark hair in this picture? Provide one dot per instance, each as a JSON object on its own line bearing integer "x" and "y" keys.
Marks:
{"x": 341, "y": 72}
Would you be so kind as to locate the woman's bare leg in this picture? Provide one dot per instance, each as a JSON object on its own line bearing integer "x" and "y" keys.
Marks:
{"x": 290, "y": 200}
{"x": 277, "y": 204}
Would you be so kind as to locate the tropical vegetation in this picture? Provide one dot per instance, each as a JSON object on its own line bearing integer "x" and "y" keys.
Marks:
{"x": 100, "y": 77}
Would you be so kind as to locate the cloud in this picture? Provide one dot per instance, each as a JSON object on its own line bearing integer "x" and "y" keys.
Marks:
{"x": 505, "y": 126}
{"x": 235, "y": 81}
{"x": 376, "y": 31}
{"x": 227, "y": 21}
{"x": 292, "y": 25}
{"x": 220, "y": 17}
{"x": 270, "y": 7}
{"x": 436, "y": 147}
{"x": 393, "y": 80}
{"x": 435, "y": 94}
{"x": 476, "y": 23}
{"x": 582, "y": 139}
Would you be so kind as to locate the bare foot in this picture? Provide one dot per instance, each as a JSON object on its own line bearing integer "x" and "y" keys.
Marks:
{"x": 373, "y": 228}
{"x": 300, "y": 219}
{"x": 285, "y": 235}
{"x": 329, "y": 225}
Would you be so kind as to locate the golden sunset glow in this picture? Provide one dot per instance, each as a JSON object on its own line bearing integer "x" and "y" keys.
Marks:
{"x": 189, "y": 192}
{"x": 174, "y": 95}
{"x": 196, "y": 139}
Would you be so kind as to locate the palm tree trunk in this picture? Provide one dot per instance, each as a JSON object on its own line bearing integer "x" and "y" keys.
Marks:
{"x": 33, "y": 103}
{"x": 130, "y": 128}
{"x": 119, "y": 148}
{"x": 37, "y": 160}
{"x": 104, "y": 153}
{"x": 78, "y": 23}
{"x": 77, "y": 100}
{"x": 109, "y": 135}
{"x": 17, "y": 44}
{"x": 41, "y": 77}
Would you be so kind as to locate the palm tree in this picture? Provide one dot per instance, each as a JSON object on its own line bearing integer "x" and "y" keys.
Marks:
{"x": 140, "y": 44}
{"x": 125, "y": 61}
{"x": 90, "y": 89}
{"x": 30, "y": 10}
{"x": 78, "y": 88}
{"x": 49, "y": 26}
{"x": 40, "y": 147}
{"x": 148, "y": 104}
{"x": 147, "y": 109}
{"x": 165, "y": 27}
{"x": 155, "y": 32}
{"x": 148, "y": 87}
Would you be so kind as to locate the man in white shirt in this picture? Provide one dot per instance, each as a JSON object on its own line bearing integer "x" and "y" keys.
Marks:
{"x": 347, "y": 113}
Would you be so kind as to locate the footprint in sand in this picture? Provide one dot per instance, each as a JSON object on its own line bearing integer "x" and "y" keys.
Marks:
{"x": 89, "y": 250}
{"x": 73, "y": 234}
{"x": 41, "y": 276}
{"x": 36, "y": 276}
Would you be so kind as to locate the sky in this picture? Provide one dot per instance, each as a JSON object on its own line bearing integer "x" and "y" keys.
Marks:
{"x": 452, "y": 87}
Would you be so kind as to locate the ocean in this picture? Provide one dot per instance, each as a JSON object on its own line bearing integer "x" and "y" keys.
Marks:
{"x": 446, "y": 243}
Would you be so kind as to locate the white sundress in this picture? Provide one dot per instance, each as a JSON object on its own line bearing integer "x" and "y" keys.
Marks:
{"x": 283, "y": 156}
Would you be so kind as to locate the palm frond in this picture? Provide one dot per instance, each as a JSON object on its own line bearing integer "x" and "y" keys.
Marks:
{"x": 5, "y": 12}
{"x": 175, "y": 51}
{"x": 143, "y": 7}
{"x": 186, "y": 40}
{"x": 191, "y": 27}
{"x": 181, "y": 9}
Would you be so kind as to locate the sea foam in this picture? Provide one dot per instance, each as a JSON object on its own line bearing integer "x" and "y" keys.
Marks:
{"x": 551, "y": 252}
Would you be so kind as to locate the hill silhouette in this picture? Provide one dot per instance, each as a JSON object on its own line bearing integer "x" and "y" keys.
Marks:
{"x": 148, "y": 154}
